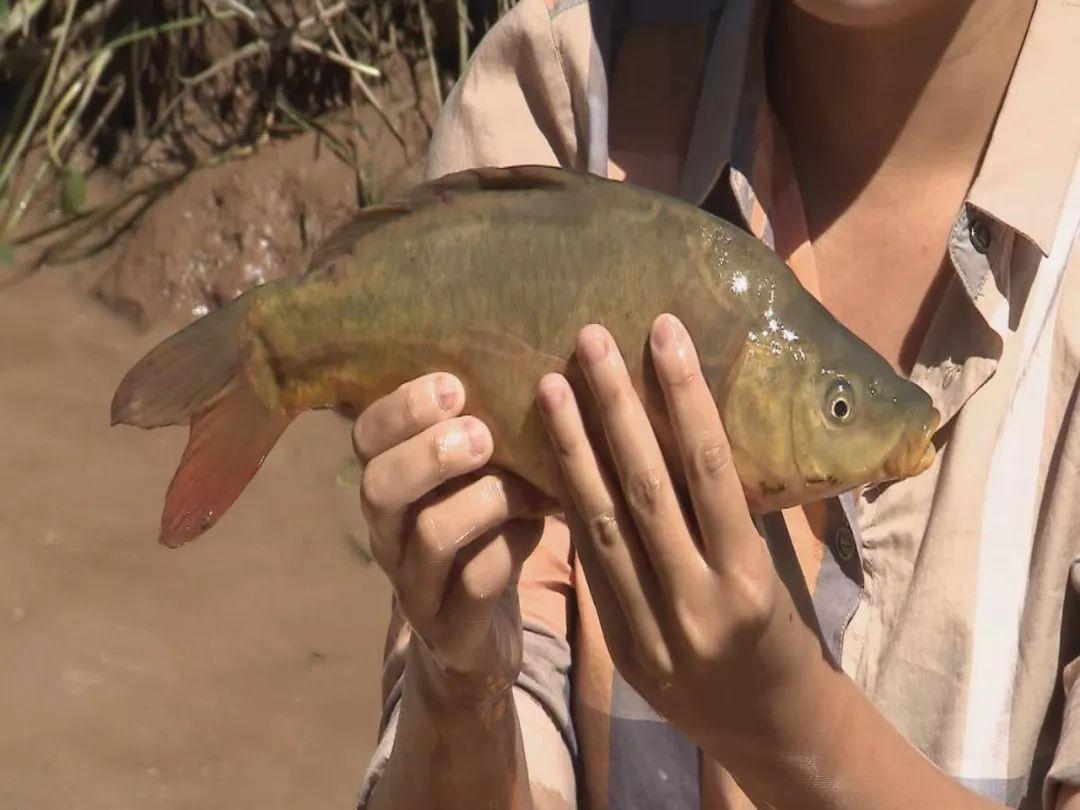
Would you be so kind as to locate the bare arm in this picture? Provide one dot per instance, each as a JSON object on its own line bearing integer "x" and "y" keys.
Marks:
{"x": 451, "y": 756}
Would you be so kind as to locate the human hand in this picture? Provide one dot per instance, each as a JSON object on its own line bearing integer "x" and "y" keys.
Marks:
{"x": 448, "y": 534}
{"x": 692, "y": 608}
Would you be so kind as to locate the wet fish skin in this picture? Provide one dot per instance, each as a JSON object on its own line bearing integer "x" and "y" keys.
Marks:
{"x": 489, "y": 274}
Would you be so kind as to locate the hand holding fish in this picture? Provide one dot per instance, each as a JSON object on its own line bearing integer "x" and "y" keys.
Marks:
{"x": 694, "y": 613}
{"x": 447, "y": 534}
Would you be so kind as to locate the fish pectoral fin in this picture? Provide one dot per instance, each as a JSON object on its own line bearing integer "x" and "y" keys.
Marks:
{"x": 501, "y": 372}
{"x": 488, "y": 341}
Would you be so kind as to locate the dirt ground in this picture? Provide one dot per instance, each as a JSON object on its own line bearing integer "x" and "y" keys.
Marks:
{"x": 239, "y": 672}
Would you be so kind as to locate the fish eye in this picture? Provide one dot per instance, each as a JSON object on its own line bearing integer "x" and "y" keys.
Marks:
{"x": 840, "y": 401}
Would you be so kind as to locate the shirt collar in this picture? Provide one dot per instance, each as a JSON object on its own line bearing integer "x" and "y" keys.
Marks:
{"x": 1033, "y": 148}
{"x": 1024, "y": 175}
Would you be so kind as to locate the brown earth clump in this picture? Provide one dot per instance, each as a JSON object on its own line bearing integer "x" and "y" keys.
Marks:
{"x": 227, "y": 228}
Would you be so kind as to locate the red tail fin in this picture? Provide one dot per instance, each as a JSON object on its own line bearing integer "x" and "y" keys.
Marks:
{"x": 203, "y": 373}
{"x": 229, "y": 440}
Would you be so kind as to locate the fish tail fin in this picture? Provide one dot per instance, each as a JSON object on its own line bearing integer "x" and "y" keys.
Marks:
{"x": 205, "y": 373}
{"x": 183, "y": 372}
{"x": 230, "y": 438}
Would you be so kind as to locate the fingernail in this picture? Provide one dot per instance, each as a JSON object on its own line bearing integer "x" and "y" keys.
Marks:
{"x": 593, "y": 347}
{"x": 664, "y": 332}
{"x": 478, "y": 436}
{"x": 446, "y": 392}
{"x": 552, "y": 394}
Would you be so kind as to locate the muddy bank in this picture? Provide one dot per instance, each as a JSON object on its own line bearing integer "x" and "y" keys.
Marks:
{"x": 227, "y": 228}
{"x": 241, "y": 671}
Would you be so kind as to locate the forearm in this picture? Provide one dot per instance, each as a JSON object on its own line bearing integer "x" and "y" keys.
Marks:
{"x": 450, "y": 754}
{"x": 841, "y": 752}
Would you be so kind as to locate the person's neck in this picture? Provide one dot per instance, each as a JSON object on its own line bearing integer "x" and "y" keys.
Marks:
{"x": 863, "y": 105}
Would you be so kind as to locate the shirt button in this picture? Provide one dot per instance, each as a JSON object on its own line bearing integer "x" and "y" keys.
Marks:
{"x": 950, "y": 375}
{"x": 979, "y": 231}
{"x": 845, "y": 544}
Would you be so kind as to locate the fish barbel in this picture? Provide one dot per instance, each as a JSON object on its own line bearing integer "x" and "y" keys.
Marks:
{"x": 489, "y": 274}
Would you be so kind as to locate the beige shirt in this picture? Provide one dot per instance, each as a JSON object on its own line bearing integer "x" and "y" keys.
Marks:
{"x": 952, "y": 599}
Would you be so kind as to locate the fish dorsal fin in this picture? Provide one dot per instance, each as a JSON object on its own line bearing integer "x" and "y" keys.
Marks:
{"x": 442, "y": 190}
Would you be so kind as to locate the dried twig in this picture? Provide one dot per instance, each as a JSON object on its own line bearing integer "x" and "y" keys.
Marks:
{"x": 20, "y": 17}
{"x": 302, "y": 43}
{"x": 69, "y": 86}
{"x": 358, "y": 77}
{"x": 425, "y": 28}
{"x": 464, "y": 27}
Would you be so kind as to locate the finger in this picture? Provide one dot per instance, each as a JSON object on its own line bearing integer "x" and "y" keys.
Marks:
{"x": 412, "y": 408}
{"x": 397, "y": 478}
{"x": 609, "y": 532}
{"x": 715, "y": 488}
{"x": 643, "y": 473}
{"x": 444, "y": 528}
{"x": 613, "y": 621}
{"x": 484, "y": 572}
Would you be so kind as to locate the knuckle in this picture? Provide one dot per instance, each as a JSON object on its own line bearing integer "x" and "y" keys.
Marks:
{"x": 712, "y": 457}
{"x": 431, "y": 536}
{"x": 492, "y": 489}
{"x": 567, "y": 443}
{"x": 360, "y": 443}
{"x": 476, "y": 586}
{"x": 414, "y": 404}
{"x": 617, "y": 398}
{"x": 679, "y": 377}
{"x": 699, "y": 637}
{"x": 374, "y": 492}
{"x": 752, "y": 599}
{"x": 603, "y": 528}
{"x": 443, "y": 444}
{"x": 653, "y": 657}
{"x": 645, "y": 490}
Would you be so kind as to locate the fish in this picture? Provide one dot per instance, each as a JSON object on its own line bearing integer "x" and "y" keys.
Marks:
{"x": 488, "y": 274}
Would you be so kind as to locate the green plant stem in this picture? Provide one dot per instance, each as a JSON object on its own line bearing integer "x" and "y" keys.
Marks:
{"x": 39, "y": 105}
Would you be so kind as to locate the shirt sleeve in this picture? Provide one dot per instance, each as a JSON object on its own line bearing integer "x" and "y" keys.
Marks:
{"x": 514, "y": 104}
{"x": 1065, "y": 768}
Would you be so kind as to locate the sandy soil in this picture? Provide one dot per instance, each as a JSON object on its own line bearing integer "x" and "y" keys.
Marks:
{"x": 241, "y": 671}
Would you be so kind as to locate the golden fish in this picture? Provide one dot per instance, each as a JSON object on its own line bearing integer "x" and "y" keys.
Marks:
{"x": 489, "y": 274}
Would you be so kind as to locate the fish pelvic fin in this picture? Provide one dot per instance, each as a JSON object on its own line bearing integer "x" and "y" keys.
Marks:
{"x": 229, "y": 440}
{"x": 184, "y": 372}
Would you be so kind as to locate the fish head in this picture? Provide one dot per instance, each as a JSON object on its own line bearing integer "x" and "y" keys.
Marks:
{"x": 809, "y": 419}
{"x": 856, "y": 422}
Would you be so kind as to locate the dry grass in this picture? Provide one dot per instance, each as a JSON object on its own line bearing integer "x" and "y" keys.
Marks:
{"x": 152, "y": 89}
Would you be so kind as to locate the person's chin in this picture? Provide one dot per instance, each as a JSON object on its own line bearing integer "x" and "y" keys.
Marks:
{"x": 863, "y": 13}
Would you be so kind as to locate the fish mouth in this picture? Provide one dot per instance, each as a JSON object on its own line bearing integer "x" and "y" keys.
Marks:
{"x": 915, "y": 452}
